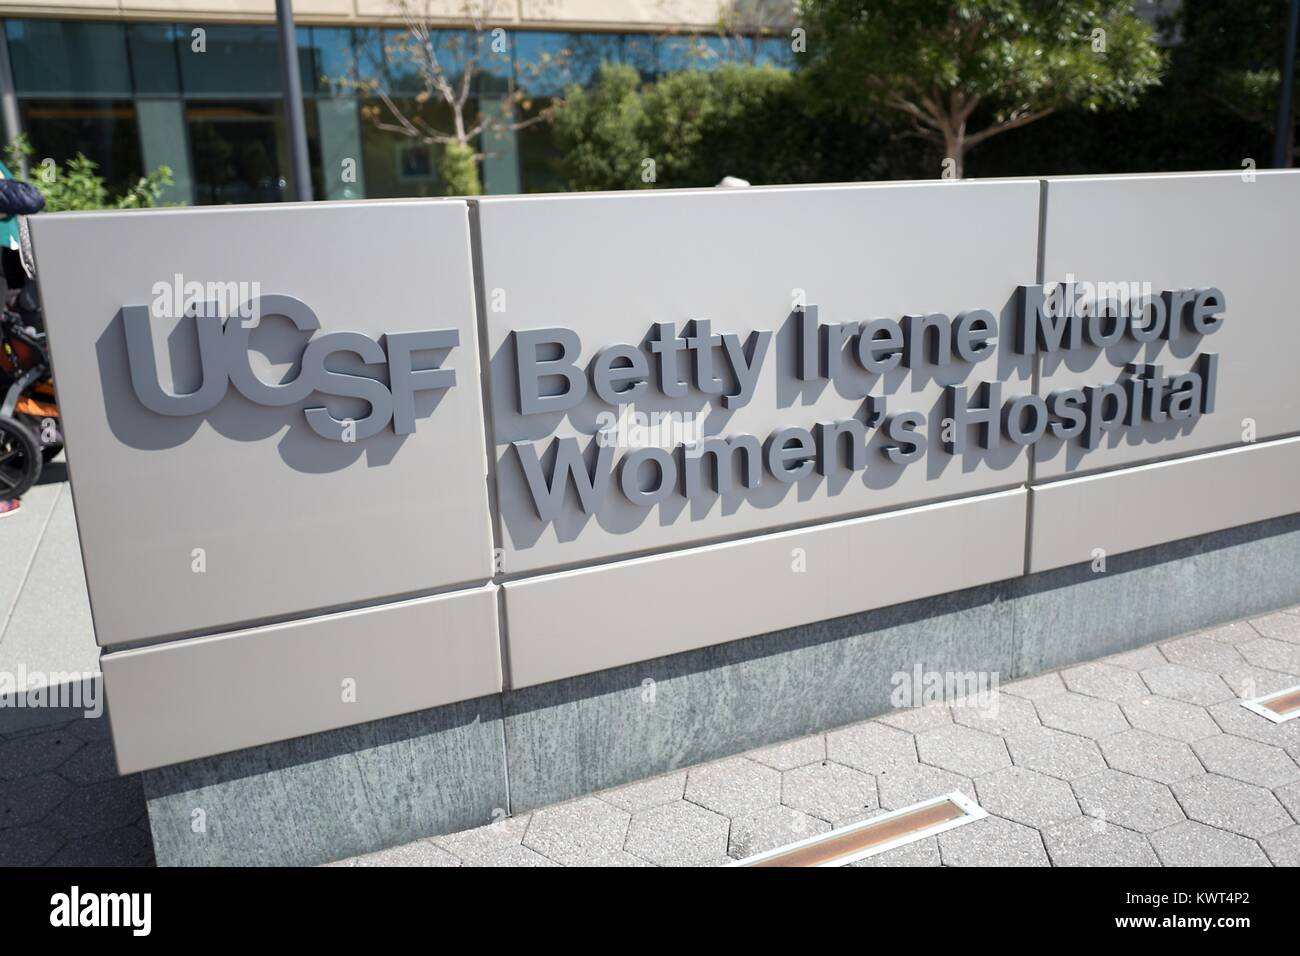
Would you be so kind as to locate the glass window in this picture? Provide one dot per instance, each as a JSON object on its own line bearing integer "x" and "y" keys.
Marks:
{"x": 385, "y": 58}
{"x": 240, "y": 151}
{"x": 68, "y": 57}
{"x": 539, "y": 157}
{"x": 327, "y": 60}
{"x": 776, "y": 51}
{"x": 103, "y": 130}
{"x": 231, "y": 61}
{"x": 640, "y": 50}
{"x": 154, "y": 63}
{"x": 546, "y": 63}
{"x": 397, "y": 165}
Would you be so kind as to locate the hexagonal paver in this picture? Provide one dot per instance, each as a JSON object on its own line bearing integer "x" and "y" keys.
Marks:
{"x": 1055, "y": 753}
{"x": 918, "y": 718}
{"x": 1283, "y": 847}
{"x": 1279, "y": 627}
{"x": 918, "y": 853}
{"x": 962, "y": 750}
{"x": 992, "y": 842}
{"x": 1194, "y": 844}
{"x": 512, "y": 856}
{"x": 770, "y": 828}
{"x": 1231, "y": 805}
{"x": 1036, "y": 688}
{"x": 475, "y": 847}
{"x": 1272, "y": 655}
{"x": 1026, "y": 797}
{"x": 1180, "y": 682}
{"x": 1137, "y": 659}
{"x": 678, "y": 834}
{"x": 1092, "y": 842}
{"x": 419, "y": 853}
{"x": 830, "y": 791}
{"x": 1132, "y": 802}
{"x": 1238, "y": 632}
{"x": 1202, "y": 652}
{"x": 90, "y": 729}
{"x": 31, "y": 799}
{"x": 870, "y": 747}
{"x": 34, "y": 753}
{"x": 1235, "y": 719}
{"x": 583, "y": 832}
{"x": 1289, "y": 796}
{"x": 28, "y": 846}
{"x": 1085, "y": 716}
{"x": 1149, "y": 755}
{"x": 733, "y": 787}
{"x": 99, "y": 807}
{"x": 1106, "y": 681}
{"x": 1247, "y": 760}
{"x": 90, "y": 764}
{"x": 792, "y": 753}
{"x": 1247, "y": 681}
{"x": 905, "y": 784}
{"x": 1005, "y": 714}
{"x": 1170, "y": 718}
{"x": 647, "y": 793}
{"x": 125, "y": 846}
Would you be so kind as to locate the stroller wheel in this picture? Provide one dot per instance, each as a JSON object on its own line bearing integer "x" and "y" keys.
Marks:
{"x": 20, "y": 457}
{"x": 51, "y": 451}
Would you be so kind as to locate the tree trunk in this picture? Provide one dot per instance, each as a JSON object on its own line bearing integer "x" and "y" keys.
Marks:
{"x": 954, "y": 148}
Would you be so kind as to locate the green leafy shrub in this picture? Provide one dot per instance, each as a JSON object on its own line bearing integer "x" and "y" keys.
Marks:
{"x": 77, "y": 186}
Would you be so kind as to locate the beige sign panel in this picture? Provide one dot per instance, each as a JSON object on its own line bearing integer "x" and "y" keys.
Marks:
{"x": 208, "y": 695}
{"x": 270, "y": 411}
{"x": 674, "y": 368}
{"x": 665, "y": 604}
{"x": 1086, "y": 519}
{"x": 1228, "y": 237}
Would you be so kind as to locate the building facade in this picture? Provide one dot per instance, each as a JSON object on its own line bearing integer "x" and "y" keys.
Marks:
{"x": 196, "y": 86}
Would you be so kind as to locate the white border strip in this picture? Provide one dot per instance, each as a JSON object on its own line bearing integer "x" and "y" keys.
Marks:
{"x": 972, "y": 811}
{"x": 1257, "y": 706}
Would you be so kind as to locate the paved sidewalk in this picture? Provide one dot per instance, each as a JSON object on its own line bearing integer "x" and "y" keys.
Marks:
{"x": 45, "y": 621}
{"x": 61, "y": 800}
{"x": 1145, "y": 758}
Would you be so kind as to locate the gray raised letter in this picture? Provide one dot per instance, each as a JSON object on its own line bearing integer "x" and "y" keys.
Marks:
{"x": 339, "y": 383}
{"x": 404, "y": 381}
{"x": 236, "y": 342}
{"x": 144, "y": 369}
{"x": 531, "y": 370}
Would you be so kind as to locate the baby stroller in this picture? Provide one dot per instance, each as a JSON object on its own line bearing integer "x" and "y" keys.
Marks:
{"x": 29, "y": 418}
{"x": 30, "y": 430}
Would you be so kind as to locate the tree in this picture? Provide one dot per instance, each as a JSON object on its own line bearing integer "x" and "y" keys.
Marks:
{"x": 449, "y": 67}
{"x": 693, "y": 127}
{"x": 1234, "y": 53}
{"x": 601, "y": 132}
{"x": 964, "y": 71}
{"x": 77, "y": 186}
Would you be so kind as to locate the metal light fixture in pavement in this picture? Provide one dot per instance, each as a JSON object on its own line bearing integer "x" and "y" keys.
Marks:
{"x": 857, "y": 841}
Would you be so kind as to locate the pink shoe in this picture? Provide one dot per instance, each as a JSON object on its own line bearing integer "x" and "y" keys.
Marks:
{"x": 9, "y": 506}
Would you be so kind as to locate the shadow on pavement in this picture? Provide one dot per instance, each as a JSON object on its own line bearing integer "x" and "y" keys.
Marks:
{"x": 62, "y": 802}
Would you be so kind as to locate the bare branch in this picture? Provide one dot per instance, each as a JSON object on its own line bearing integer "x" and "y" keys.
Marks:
{"x": 1021, "y": 120}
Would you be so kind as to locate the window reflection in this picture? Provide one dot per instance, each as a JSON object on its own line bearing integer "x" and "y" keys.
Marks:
{"x": 214, "y": 111}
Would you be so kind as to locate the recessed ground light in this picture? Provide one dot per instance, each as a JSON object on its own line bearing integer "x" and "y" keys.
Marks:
{"x": 1284, "y": 705}
{"x": 869, "y": 837}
